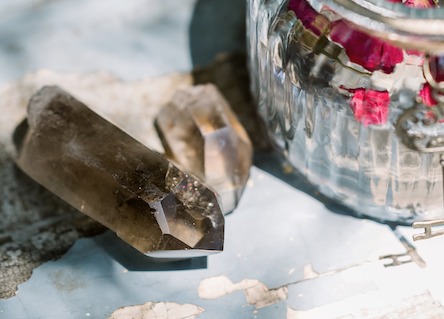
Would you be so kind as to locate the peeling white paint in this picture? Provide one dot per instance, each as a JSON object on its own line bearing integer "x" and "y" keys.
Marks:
{"x": 373, "y": 299}
{"x": 393, "y": 289}
{"x": 217, "y": 287}
{"x": 152, "y": 310}
{"x": 309, "y": 273}
{"x": 260, "y": 296}
{"x": 257, "y": 293}
{"x": 370, "y": 306}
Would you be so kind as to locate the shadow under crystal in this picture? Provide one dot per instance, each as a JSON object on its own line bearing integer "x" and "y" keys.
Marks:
{"x": 133, "y": 260}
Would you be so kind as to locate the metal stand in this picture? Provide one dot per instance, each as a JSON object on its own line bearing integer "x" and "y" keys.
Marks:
{"x": 412, "y": 127}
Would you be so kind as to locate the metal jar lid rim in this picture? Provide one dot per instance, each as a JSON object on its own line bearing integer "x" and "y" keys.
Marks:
{"x": 420, "y": 29}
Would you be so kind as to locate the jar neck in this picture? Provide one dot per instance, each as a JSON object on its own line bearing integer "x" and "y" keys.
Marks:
{"x": 407, "y": 28}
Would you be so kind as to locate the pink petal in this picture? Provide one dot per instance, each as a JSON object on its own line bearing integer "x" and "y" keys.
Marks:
{"x": 437, "y": 68}
{"x": 370, "y": 106}
{"x": 414, "y": 52}
{"x": 391, "y": 56}
{"x": 369, "y": 52}
{"x": 426, "y": 95}
{"x": 420, "y": 4}
{"x": 415, "y": 57}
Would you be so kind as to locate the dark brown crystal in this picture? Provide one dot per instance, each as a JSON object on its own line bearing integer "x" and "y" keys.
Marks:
{"x": 111, "y": 177}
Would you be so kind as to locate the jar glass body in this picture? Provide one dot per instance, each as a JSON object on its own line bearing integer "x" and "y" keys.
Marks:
{"x": 333, "y": 108}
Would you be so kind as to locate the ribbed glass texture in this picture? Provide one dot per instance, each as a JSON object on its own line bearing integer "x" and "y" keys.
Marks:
{"x": 299, "y": 93}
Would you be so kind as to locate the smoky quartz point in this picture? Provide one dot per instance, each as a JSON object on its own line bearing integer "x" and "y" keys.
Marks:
{"x": 201, "y": 133}
{"x": 111, "y": 177}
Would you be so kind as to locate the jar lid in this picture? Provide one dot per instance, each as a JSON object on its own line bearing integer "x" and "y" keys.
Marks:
{"x": 410, "y": 28}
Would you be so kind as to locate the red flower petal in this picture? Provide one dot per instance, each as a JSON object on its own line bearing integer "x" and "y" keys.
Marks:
{"x": 309, "y": 17}
{"x": 420, "y": 4}
{"x": 369, "y": 52}
{"x": 370, "y": 106}
{"x": 414, "y": 52}
{"x": 437, "y": 68}
{"x": 426, "y": 95}
{"x": 391, "y": 56}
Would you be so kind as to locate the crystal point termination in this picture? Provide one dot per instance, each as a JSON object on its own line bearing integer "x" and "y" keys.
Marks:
{"x": 201, "y": 133}
{"x": 108, "y": 175}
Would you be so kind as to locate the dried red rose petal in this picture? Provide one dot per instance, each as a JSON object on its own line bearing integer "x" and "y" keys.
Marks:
{"x": 391, "y": 56}
{"x": 426, "y": 95}
{"x": 309, "y": 17}
{"x": 369, "y": 52}
{"x": 437, "y": 68}
{"x": 370, "y": 106}
{"x": 420, "y": 4}
{"x": 414, "y": 52}
{"x": 437, "y": 71}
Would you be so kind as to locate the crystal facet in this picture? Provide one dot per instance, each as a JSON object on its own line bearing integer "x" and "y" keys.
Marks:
{"x": 202, "y": 134}
{"x": 111, "y": 177}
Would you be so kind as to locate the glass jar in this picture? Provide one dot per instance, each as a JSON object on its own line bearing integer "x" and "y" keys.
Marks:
{"x": 333, "y": 77}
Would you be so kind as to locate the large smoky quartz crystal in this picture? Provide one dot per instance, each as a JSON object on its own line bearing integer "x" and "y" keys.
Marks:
{"x": 111, "y": 177}
{"x": 201, "y": 133}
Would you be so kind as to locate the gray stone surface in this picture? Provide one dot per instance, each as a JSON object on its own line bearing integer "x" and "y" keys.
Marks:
{"x": 35, "y": 225}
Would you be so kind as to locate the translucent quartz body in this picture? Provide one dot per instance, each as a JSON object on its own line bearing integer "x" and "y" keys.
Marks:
{"x": 201, "y": 133}
{"x": 366, "y": 167}
{"x": 106, "y": 174}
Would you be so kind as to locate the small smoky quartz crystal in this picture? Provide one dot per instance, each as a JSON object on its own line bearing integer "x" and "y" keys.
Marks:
{"x": 201, "y": 133}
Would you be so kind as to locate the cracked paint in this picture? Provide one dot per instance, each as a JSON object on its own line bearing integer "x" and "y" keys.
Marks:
{"x": 309, "y": 273}
{"x": 157, "y": 310}
{"x": 406, "y": 291}
{"x": 364, "y": 307}
{"x": 257, "y": 293}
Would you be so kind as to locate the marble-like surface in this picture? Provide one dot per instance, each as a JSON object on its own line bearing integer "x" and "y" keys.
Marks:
{"x": 132, "y": 39}
{"x": 275, "y": 232}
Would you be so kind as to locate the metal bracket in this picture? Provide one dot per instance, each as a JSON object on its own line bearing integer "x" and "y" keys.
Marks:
{"x": 417, "y": 129}
{"x": 428, "y": 232}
